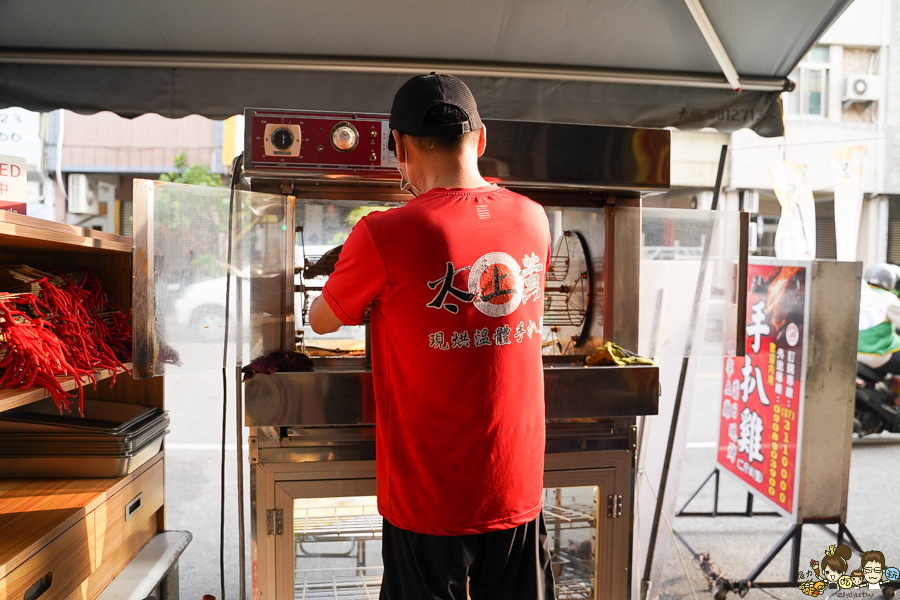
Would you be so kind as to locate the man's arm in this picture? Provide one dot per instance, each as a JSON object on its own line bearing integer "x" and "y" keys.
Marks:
{"x": 321, "y": 318}
{"x": 358, "y": 278}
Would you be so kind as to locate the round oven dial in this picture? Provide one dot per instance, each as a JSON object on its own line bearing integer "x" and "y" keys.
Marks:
{"x": 344, "y": 137}
{"x": 282, "y": 138}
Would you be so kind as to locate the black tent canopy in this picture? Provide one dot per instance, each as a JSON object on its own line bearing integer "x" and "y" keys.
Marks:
{"x": 649, "y": 63}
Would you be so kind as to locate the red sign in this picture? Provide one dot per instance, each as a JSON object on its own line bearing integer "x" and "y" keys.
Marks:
{"x": 759, "y": 432}
{"x": 14, "y": 207}
{"x": 13, "y": 176}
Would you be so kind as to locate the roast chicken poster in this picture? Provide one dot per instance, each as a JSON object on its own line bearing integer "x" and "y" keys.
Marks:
{"x": 763, "y": 391}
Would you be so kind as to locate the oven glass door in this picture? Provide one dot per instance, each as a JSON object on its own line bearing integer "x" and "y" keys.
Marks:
{"x": 334, "y": 542}
{"x": 187, "y": 270}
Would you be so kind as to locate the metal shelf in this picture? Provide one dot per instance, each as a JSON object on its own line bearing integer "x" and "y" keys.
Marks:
{"x": 571, "y": 586}
{"x": 351, "y": 583}
{"x": 570, "y": 517}
{"x": 337, "y": 523}
{"x": 364, "y": 583}
{"x": 362, "y": 522}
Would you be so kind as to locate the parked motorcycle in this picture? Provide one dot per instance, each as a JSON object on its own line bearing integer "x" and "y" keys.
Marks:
{"x": 875, "y": 408}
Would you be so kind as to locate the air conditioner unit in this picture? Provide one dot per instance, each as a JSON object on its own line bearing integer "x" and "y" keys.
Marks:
{"x": 82, "y": 196}
{"x": 861, "y": 88}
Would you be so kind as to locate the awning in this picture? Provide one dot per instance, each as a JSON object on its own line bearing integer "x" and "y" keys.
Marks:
{"x": 647, "y": 63}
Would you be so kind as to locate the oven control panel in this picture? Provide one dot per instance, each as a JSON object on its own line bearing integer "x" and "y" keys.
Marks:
{"x": 284, "y": 141}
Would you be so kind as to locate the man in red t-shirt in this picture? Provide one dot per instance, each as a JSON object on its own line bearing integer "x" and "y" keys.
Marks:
{"x": 455, "y": 281}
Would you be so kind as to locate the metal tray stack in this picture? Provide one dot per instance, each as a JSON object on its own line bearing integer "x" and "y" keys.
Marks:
{"x": 111, "y": 440}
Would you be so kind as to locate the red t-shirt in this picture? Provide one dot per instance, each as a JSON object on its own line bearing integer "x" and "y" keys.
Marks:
{"x": 455, "y": 279}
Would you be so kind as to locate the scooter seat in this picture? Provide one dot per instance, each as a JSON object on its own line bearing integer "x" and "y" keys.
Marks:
{"x": 868, "y": 373}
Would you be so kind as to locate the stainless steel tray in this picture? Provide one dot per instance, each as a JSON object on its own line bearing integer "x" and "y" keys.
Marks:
{"x": 341, "y": 392}
{"x": 100, "y": 417}
{"x": 79, "y": 467}
{"x": 31, "y": 439}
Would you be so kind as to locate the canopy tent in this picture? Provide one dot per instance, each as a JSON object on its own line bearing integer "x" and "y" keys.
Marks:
{"x": 647, "y": 63}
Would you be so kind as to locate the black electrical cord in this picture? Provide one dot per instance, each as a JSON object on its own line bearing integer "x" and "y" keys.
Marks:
{"x": 235, "y": 179}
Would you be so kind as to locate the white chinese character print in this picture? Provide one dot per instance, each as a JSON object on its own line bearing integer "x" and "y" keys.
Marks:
{"x": 731, "y": 452}
{"x": 520, "y": 332}
{"x": 458, "y": 340}
{"x": 753, "y": 381}
{"x": 759, "y": 326}
{"x": 436, "y": 340}
{"x": 532, "y": 328}
{"x": 532, "y": 279}
{"x": 732, "y": 432}
{"x": 482, "y": 337}
{"x": 726, "y": 409}
{"x": 501, "y": 335}
{"x": 750, "y": 442}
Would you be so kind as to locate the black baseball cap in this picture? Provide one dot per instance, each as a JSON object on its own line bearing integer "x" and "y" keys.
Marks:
{"x": 422, "y": 93}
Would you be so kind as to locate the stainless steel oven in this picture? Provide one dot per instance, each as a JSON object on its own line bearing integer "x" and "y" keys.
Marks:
{"x": 307, "y": 178}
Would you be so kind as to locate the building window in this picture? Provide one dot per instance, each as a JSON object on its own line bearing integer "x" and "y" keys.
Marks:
{"x": 809, "y": 98}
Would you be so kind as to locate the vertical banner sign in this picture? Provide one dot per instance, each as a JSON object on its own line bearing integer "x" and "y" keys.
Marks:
{"x": 795, "y": 238}
{"x": 13, "y": 183}
{"x": 759, "y": 431}
{"x": 847, "y": 166}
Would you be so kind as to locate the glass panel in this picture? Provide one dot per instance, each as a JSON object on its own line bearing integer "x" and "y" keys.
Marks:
{"x": 674, "y": 242}
{"x": 792, "y": 99}
{"x": 337, "y": 545}
{"x": 182, "y": 270}
{"x": 571, "y": 516}
{"x": 337, "y": 548}
{"x": 323, "y": 227}
{"x": 818, "y": 54}
{"x": 573, "y": 299}
{"x": 573, "y": 291}
{"x": 814, "y": 91}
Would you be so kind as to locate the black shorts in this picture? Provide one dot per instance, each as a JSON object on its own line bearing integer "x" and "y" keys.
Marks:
{"x": 512, "y": 564}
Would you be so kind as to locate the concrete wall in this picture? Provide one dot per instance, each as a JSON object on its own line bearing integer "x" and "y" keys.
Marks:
{"x": 695, "y": 158}
{"x": 810, "y": 143}
{"x": 862, "y": 24}
{"x": 107, "y": 143}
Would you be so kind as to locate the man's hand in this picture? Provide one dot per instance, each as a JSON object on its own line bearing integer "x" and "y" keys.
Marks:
{"x": 321, "y": 318}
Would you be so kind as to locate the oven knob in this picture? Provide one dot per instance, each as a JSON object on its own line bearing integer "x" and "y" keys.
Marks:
{"x": 344, "y": 137}
{"x": 282, "y": 138}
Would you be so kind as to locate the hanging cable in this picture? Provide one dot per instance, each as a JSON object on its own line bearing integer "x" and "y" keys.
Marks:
{"x": 235, "y": 179}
